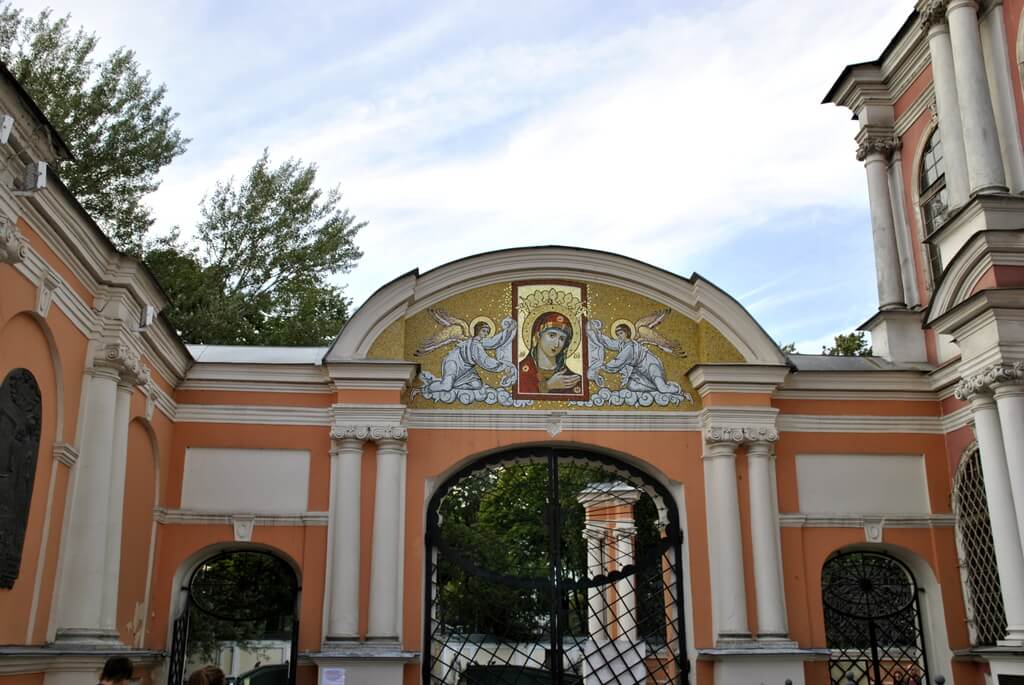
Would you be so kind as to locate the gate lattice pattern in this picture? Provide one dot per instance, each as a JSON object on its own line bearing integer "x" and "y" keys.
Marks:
{"x": 986, "y": 617}
{"x": 553, "y": 566}
{"x": 872, "y": 621}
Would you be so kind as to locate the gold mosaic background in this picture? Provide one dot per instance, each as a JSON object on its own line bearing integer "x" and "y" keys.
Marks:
{"x": 701, "y": 342}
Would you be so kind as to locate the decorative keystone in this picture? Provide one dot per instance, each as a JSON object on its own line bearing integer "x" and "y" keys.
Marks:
{"x": 13, "y": 247}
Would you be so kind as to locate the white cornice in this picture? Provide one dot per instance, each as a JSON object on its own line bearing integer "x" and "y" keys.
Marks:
{"x": 372, "y": 374}
{"x": 856, "y": 395}
{"x": 533, "y": 420}
{"x": 881, "y": 381}
{"x": 813, "y": 423}
{"x": 191, "y": 516}
{"x": 973, "y": 311}
{"x": 862, "y": 520}
{"x": 250, "y": 414}
{"x": 256, "y": 386}
{"x": 957, "y": 419}
{"x": 982, "y": 251}
{"x": 56, "y": 658}
{"x": 753, "y": 378}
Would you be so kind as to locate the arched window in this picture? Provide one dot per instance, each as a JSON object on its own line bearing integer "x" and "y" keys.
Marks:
{"x": 553, "y": 565}
{"x": 872, "y": 620}
{"x": 983, "y": 597}
{"x": 934, "y": 198}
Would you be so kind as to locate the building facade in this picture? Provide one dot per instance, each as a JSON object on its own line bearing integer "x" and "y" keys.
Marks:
{"x": 543, "y": 464}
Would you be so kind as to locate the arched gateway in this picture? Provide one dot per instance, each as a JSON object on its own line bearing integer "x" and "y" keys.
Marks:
{"x": 553, "y": 565}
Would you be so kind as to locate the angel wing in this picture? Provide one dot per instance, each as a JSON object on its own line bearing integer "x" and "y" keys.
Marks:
{"x": 646, "y": 333}
{"x": 453, "y": 330}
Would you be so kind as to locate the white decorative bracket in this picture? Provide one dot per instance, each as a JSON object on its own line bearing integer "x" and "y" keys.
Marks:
{"x": 243, "y": 527}
{"x": 873, "y": 529}
{"x": 48, "y": 286}
{"x": 554, "y": 423}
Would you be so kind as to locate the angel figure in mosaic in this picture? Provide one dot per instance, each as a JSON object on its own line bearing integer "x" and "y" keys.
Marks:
{"x": 639, "y": 368}
{"x": 472, "y": 341}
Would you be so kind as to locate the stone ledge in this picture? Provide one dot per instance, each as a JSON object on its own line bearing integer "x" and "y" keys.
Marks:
{"x": 336, "y": 652}
{"x": 762, "y": 650}
{"x": 21, "y": 660}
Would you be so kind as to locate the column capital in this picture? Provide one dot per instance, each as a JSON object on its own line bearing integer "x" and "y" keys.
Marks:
{"x": 369, "y": 433}
{"x": 883, "y": 144}
{"x": 760, "y": 448}
{"x": 933, "y": 14}
{"x": 952, "y": 5}
{"x": 126, "y": 361}
{"x": 739, "y": 434}
{"x": 989, "y": 379}
{"x": 13, "y": 246}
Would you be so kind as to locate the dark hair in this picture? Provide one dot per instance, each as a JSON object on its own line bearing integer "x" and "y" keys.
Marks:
{"x": 479, "y": 325}
{"x": 117, "y": 668}
{"x": 625, "y": 329}
{"x": 207, "y": 675}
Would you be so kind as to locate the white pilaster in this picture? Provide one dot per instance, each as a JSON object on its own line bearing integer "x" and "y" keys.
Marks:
{"x": 764, "y": 529}
{"x": 1002, "y": 513}
{"x": 388, "y": 514}
{"x": 115, "y": 511}
{"x": 875, "y": 151}
{"x": 596, "y": 603}
{"x": 950, "y": 125}
{"x": 87, "y": 602}
{"x": 625, "y": 589}
{"x": 343, "y": 532}
{"x": 981, "y": 139}
{"x": 724, "y": 538}
{"x": 993, "y": 35}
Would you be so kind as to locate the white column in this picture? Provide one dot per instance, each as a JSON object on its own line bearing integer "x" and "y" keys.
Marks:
{"x": 625, "y": 611}
{"x": 875, "y": 152}
{"x": 981, "y": 140}
{"x": 80, "y": 603}
{"x": 1010, "y": 403}
{"x": 115, "y": 511}
{"x": 725, "y": 541}
{"x": 993, "y": 34}
{"x": 950, "y": 125}
{"x": 1005, "y": 535}
{"x": 764, "y": 530}
{"x": 343, "y": 532}
{"x": 596, "y": 622}
{"x": 387, "y": 526}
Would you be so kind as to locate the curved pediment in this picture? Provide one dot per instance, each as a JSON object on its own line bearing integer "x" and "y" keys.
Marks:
{"x": 553, "y": 326}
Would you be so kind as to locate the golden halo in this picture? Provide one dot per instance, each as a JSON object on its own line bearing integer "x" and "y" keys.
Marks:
{"x": 564, "y": 311}
{"x": 623, "y": 322}
{"x": 482, "y": 319}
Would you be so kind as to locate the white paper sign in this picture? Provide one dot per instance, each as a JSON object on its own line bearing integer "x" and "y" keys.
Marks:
{"x": 332, "y": 676}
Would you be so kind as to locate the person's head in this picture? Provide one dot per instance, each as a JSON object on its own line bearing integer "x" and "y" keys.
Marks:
{"x": 482, "y": 329}
{"x": 117, "y": 670}
{"x": 622, "y": 332}
{"x": 551, "y": 336}
{"x": 207, "y": 675}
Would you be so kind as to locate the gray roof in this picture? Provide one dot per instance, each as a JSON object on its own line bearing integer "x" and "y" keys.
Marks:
{"x": 825, "y": 362}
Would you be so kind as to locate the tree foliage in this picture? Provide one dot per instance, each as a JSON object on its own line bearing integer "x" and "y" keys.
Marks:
{"x": 110, "y": 114}
{"x": 849, "y": 345}
{"x": 267, "y": 246}
{"x": 788, "y": 348}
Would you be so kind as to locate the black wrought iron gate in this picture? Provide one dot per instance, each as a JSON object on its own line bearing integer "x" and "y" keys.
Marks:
{"x": 873, "y": 621}
{"x": 553, "y": 565}
{"x": 238, "y": 596}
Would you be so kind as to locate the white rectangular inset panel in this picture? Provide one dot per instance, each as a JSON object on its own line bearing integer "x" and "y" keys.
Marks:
{"x": 862, "y": 484}
{"x": 245, "y": 480}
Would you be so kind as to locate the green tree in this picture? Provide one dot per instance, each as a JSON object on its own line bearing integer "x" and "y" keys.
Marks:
{"x": 849, "y": 345}
{"x": 266, "y": 248}
{"x": 788, "y": 348}
{"x": 112, "y": 117}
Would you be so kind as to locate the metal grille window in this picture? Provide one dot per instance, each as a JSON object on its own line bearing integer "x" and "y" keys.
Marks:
{"x": 553, "y": 565}
{"x": 872, "y": 621}
{"x": 934, "y": 198}
{"x": 983, "y": 597}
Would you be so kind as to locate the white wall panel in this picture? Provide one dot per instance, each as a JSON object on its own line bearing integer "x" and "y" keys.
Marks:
{"x": 245, "y": 480}
{"x": 862, "y": 484}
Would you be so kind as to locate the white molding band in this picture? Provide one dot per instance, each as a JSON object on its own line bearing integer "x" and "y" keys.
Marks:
{"x": 538, "y": 420}
{"x": 861, "y": 520}
{"x": 813, "y": 423}
{"x": 253, "y": 414}
{"x": 167, "y": 516}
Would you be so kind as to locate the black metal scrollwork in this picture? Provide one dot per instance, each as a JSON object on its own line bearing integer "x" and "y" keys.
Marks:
{"x": 20, "y": 428}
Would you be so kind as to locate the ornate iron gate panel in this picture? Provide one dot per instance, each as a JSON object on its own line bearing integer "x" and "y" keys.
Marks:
{"x": 873, "y": 621}
{"x": 553, "y": 565}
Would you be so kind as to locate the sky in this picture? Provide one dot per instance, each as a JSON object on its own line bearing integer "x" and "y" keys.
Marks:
{"x": 689, "y": 135}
